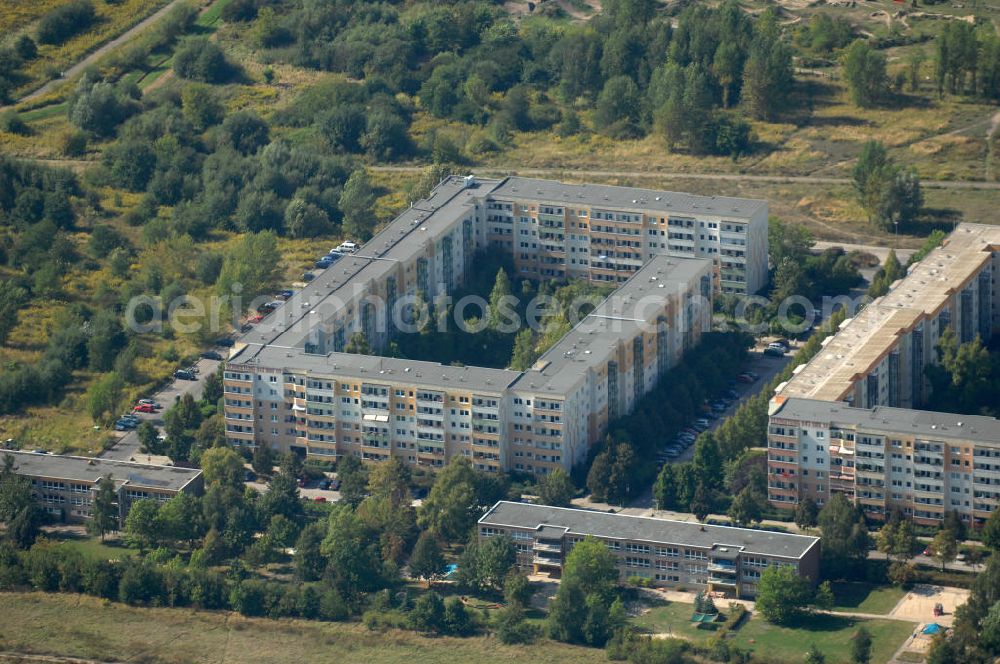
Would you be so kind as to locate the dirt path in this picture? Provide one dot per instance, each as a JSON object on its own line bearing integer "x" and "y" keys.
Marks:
{"x": 49, "y": 659}
{"x": 729, "y": 177}
{"x": 93, "y": 57}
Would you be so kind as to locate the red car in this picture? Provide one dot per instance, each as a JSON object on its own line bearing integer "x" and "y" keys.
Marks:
{"x": 144, "y": 408}
{"x": 255, "y": 319}
{"x": 319, "y": 499}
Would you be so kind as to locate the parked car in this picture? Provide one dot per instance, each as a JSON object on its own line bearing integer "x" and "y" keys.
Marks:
{"x": 265, "y": 309}
{"x": 123, "y": 424}
{"x": 323, "y": 263}
{"x": 211, "y": 355}
{"x": 319, "y": 499}
{"x": 143, "y": 408}
{"x": 744, "y": 378}
{"x": 774, "y": 351}
{"x": 702, "y": 422}
{"x": 249, "y": 476}
{"x": 307, "y": 276}
{"x": 346, "y": 248}
{"x": 225, "y": 342}
{"x": 334, "y": 485}
{"x": 324, "y": 484}
{"x": 184, "y": 374}
{"x": 253, "y": 320}
{"x": 732, "y": 394}
{"x": 284, "y": 294}
{"x": 150, "y": 402}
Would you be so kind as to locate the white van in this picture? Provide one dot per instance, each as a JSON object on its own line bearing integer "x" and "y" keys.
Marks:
{"x": 347, "y": 248}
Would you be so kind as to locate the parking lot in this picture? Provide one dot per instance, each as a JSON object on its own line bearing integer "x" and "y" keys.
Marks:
{"x": 127, "y": 447}
{"x": 765, "y": 367}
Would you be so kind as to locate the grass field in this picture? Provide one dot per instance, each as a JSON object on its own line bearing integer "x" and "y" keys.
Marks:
{"x": 830, "y": 634}
{"x": 863, "y": 597}
{"x": 80, "y": 626}
{"x": 112, "y": 20}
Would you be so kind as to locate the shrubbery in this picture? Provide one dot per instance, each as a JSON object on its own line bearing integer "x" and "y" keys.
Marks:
{"x": 65, "y": 21}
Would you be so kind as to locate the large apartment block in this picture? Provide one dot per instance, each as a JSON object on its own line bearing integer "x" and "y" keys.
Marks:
{"x": 671, "y": 554}
{"x": 875, "y": 363}
{"x": 65, "y": 486}
{"x": 290, "y": 385}
{"x": 335, "y": 403}
{"x": 603, "y": 232}
{"x": 919, "y": 462}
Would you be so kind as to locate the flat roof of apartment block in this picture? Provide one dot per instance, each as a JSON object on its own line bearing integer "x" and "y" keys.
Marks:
{"x": 89, "y": 470}
{"x": 612, "y": 197}
{"x": 647, "y": 529}
{"x": 883, "y": 419}
{"x": 862, "y": 342}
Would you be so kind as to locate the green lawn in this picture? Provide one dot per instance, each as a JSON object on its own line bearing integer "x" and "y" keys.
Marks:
{"x": 830, "y": 634}
{"x": 93, "y": 547}
{"x": 86, "y": 627}
{"x": 861, "y": 597}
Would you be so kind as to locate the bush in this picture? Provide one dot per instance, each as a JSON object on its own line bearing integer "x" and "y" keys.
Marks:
{"x": 65, "y": 21}
{"x": 202, "y": 60}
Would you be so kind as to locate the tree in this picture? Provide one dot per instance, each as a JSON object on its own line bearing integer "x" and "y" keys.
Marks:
{"x": 767, "y": 75}
{"x": 179, "y": 518}
{"x": 782, "y": 595}
{"x": 201, "y": 59}
{"x": 861, "y": 646}
{"x": 104, "y": 515}
{"x": 806, "y": 513}
{"x": 523, "y": 355}
{"x": 142, "y": 524}
{"x": 556, "y": 489}
{"x": 354, "y": 565}
{"x": 250, "y": 267}
{"x": 223, "y": 466}
{"x": 579, "y": 612}
{"x": 357, "y": 202}
{"x": 391, "y": 479}
{"x": 200, "y": 106}
{"x": 484, "y": 566}
{"x": 845, "y": 535}
{"x": 353, "y": 483}
{"x": 358, "y": 344}
{"x": 864, "y": 71}
{"x": 64, "y": 21}
{"x": 517, "y": 589}
{"x": 12, "y": 297}
{"x": 991, "y": 531}
{"x": 263, "y": 460}
{"x": 700, "y": 505}
{"x": 896, "y": 539}
{"x": 427, "y": 614}
{"x": 500, "y": 302}
{"x": 511, "y": 626}
{"x": 617, "y": 107}
{"x": 824, "y": 598}
{"x": 452, "y": 507}
{"x": 18, "y": 508}
{"x": 945, "y": 547}
{"x": 309, "y": 560}
{"x": 427, "y": 560}
{"x": 303, "y": 219}
{"x": 747, "y": 507}
{"x": 104, "y": 397}
{"x": 245, "y": 131}
{"x": 149, "y": 438}
{"x": 282, "y": 496}
{"x": 871, "y": 175}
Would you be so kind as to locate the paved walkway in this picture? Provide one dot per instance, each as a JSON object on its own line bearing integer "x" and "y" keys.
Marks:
{"x": 96, "y": 55}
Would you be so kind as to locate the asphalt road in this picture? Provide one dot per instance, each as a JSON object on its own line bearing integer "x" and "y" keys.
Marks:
{"x": 127, "y": 446}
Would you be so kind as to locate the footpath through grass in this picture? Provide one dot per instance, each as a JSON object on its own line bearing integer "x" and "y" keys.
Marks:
{"x": 81, "y": 626}
{"x": 830, "y": 634}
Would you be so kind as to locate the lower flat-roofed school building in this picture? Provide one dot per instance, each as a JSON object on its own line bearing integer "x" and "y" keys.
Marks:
{"x": 670, "y": 553}
{"x": 65, "y": 486}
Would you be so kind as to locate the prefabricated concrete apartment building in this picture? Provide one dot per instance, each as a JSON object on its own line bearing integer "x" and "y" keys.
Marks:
{"x": 65, "y": 486}
{"x": 675, "y": 554}
{"x": 853, "y": 420}
{"x": 288, "y": 383}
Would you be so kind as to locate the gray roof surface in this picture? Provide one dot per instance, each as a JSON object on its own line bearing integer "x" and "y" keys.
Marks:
{"x": 610, "y": 197}
{"x": 386, "y": 370}
{"x": 924, "y": 423}
{"x": 86, "y": 469}
{"x": 397, "y": 242}
{"x": 635, "y": 304}
{"x": 647, "y": 529}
